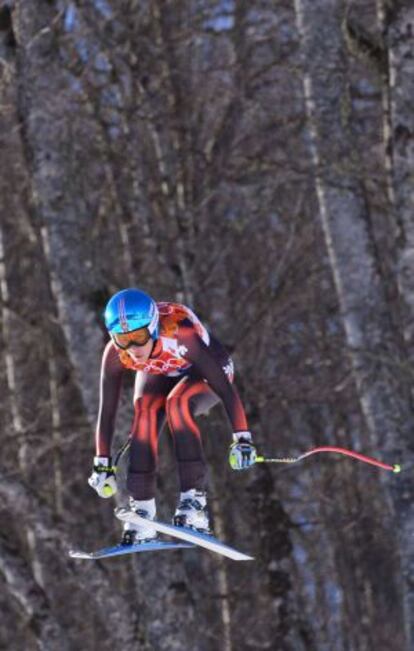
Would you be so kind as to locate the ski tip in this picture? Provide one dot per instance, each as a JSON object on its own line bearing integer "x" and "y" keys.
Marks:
{"x": 75, "y": 553}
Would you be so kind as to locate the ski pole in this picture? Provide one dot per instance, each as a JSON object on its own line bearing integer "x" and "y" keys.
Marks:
{"x": 120, "y": 452}
{"x": 328, "y": 448}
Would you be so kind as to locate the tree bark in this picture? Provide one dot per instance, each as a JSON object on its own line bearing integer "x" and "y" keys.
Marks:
{"x": 398, "y": 30}
{"x": 372, "y": 343}
{"x": 115, "y": 614}
{"x": 22, "y": 586}
{"x": 43, "y": 87}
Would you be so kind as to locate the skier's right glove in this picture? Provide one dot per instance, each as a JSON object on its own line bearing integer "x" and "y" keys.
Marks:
{"x": 103, "y": 478}
{"x": 242, "y": 452}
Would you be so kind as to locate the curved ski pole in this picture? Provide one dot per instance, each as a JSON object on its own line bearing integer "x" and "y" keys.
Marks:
{"x": 328, "y": 448}
{"x": 120, "y": 453}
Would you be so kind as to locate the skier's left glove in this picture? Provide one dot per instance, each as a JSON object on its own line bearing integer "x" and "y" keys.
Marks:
{"x": 103, "y": 478}
{"x": 242, "y": 452}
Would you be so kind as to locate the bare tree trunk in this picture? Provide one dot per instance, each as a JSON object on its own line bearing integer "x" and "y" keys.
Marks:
{"x": 372, "y": 343}
{"x": 398, "y": 23}
{"x": 21, "y": 585}
{"x": 56, "y": 433}
{"x": 77, "y": 321}
{"x": 42, "y": 92}
{"x": 16, "y": 420}
{"x": 17, "y": 423}
{"x": 114, "y": 613}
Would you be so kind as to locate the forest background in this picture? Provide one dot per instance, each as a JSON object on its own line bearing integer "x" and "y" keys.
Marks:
{"x": 253, "y": 160}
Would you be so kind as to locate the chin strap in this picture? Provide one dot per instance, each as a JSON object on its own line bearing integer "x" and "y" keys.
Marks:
{"x": 396, "y": 468}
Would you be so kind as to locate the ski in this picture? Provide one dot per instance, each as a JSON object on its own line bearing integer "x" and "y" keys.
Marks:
{"x": 184, "y": 533}
{"x": 119, "y": 550}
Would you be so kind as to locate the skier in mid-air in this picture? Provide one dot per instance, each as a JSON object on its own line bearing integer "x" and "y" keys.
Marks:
{"x": 181, "y": 371}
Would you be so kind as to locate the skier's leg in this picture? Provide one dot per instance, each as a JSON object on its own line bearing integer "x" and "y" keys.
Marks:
{"x": 150, "y": 396}
{"x": 192, "y": 396}
{"x": 149, "y": 403}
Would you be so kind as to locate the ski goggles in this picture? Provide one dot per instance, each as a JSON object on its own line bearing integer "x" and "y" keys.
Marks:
{"x": 137, "y": 337}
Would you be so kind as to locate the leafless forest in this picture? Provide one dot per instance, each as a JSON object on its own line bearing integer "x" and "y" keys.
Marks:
{"x": 253, "y": 160}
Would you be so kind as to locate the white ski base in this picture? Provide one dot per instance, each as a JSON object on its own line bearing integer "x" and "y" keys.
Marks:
{"x": 184, "y": 533}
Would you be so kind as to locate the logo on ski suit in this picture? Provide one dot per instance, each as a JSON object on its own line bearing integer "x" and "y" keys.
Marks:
{"x": 171, "y": 359}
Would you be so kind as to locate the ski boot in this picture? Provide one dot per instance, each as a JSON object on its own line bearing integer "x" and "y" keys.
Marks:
{"x": 192, "y": 511}
{"x": 134, "y": 534}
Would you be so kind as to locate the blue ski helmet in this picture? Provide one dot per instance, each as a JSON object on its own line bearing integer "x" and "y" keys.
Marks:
{"x": 131, "y": 309}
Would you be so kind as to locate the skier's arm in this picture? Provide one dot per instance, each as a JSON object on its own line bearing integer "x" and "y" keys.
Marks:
{"x": 110, "y": 389}
{"x": 206, "y": 364}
